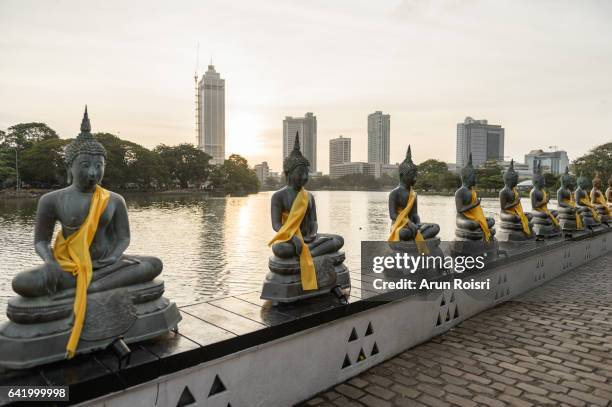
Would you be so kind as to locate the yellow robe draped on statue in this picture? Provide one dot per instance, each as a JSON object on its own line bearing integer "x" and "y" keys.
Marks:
{"x": 518, "y": 211}
{"x": 585, "y": 201}
{"x": 600, "y": 199}
{"x": 477, "y": 215}
{"x": 402, "y": 220}
{"x": 571, "y": 202}
{"x": 73, "y": 256}
{"x": 544, "y": 208}
{"x": 290, "y": 228}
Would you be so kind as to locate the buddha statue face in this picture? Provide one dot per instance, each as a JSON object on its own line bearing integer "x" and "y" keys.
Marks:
{"x": 583, "y": 182}
{"x": 539, "y": 181}
{"x": 298, "y": 177}
{"x": 511, "y": 179}
{"x": 87, "y": 171}
{"x": 468, "y": 177}
{"x": 566, "y": 181}
{"x": 408, "y": 178}
{"x": 597, "y": 182}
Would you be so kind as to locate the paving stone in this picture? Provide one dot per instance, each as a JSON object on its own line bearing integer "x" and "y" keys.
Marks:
{"x": 550, "y": 346}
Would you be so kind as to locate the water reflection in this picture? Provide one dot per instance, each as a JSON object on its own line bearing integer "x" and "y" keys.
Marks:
{"x": 213, "y": 246}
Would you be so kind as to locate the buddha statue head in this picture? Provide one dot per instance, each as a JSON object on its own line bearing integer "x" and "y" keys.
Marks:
{"x": 296, "y": 166}
{"x": 511, "y": 176}
{"x": 85, "y": 158}
{"x": 468, "y": 174}
{"x": 566, "y": 179}
{"x": 407, "y": 170}
{"x": 597, "y": 181}
{"x": 583, "y": 182}
{"x": 538, "y": 178}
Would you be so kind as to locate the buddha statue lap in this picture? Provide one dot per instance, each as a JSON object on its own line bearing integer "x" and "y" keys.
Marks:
{"x": 474, "y": 233}
{"x": 88, "y": 292}
{"x": 408, "y": 234}
{"x": 515, "y": 225}
{"x": 586, "y": 210}
{"x": 569, "y": 219}
{"x": 599, "y": 201}
{"x": 305, "y": 263}
{"x": 545, "y": 223}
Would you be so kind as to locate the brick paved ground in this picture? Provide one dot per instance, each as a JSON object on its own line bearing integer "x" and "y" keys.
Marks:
{"x": 551, "y": 346}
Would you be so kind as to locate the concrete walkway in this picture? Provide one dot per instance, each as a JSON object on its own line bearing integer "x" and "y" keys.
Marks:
{"x": 550, "y": 346}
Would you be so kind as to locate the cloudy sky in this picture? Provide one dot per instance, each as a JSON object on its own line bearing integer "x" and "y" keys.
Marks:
{"x": 542, "y": 69}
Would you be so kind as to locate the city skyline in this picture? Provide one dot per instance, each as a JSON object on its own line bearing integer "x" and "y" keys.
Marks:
{"x": 545, "y": 84}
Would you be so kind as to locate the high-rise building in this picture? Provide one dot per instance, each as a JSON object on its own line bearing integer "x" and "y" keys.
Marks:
{"x": 263, "y": 172}
{"x": 210, "y": 120}
{"x": 339, "y": 151}
{"x": 306, "y": 128}
{"x": 554, "y": 162}
{"x": 379, "y": 137}
{"x": 484, "y": 141}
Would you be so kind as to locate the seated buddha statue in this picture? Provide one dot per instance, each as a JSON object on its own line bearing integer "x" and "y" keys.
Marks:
{"x": 87, "y": 257}
{"x": 305, "y": 262}
{"x": 588, "y": 211}
{"x": 515, "y": 224}
{"x": 545, "y": 223}
{"x": 599, "y": 201}
{"x": 473, "y": 229}
{"x": 403, "y": 209}
{"x": 609, "y": 192}
{"x": 568, "y": 217}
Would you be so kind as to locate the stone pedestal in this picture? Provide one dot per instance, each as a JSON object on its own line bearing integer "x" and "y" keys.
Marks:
{"x": 587, "y": 217}
{"x": 511, "y": 231}
{"x": 283, "y": 282}
{"x": 39, "y": 328}
{"x": 543, "y": 226}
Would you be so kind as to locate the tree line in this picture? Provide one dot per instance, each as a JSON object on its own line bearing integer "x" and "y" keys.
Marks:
{"x": 34, "y": 153}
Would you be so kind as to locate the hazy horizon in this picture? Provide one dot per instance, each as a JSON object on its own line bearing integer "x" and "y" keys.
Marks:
{"x": 540, "y": 69}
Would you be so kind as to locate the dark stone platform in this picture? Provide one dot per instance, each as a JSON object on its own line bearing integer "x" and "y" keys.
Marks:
{"x": 222, "y": 326}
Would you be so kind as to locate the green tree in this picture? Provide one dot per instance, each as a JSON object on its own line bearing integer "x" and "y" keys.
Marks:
{"x": 42, "y": 164}
{"x": 186, "y": 163}
{"x": 433, "y": 175}
{"x": 24, "y": 135}
{"x": 7, "y": 172}
{"x": 597, "y": 159}
{"x": 235, "y": 177}
{"x": 490, "y": 176}
{"x": 129, "y": 164}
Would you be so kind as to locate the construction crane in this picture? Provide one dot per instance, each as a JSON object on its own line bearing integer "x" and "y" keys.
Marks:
{"x": 197, "y": 97}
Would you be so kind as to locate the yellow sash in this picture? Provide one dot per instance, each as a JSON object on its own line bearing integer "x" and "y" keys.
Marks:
{"x": 571, "y": 202}
{"x": 518, "y": 211}
{"x": 290, "y": 228}
{"x": 544, "y": 208}
{"x": 591, "y": 207}
{"x": 73, "y": 256}
{"x": 600, "y": 199}
{"x": 402, "y": 220}
{"x": 477, "y": 215}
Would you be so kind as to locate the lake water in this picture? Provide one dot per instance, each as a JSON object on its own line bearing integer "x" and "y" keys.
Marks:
{"x": 216, "y": 246}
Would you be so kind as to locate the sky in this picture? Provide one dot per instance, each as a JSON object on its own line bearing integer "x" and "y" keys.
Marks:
{"x": 542, "y": 69}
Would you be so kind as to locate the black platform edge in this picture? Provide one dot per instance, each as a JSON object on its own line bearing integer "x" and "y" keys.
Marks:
{"x": 92, "y": 376}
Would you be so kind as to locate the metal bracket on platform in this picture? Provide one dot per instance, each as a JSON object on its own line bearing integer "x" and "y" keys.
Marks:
{"x": 337, "y": 291}
{"x": 121, "y": 350}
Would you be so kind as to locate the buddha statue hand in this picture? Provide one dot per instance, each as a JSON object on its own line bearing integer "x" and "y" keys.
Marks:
{"x": 52, "y": 276}
{"x": 298, "y": 245}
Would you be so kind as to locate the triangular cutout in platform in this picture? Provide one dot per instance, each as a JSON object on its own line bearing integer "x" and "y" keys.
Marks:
{"x": 443, "y": 302}
{"x": 456, "y": 313}
{"x": 186, "y": 398}
{"x": 361, "y": 356}
{"x": 347, "y": 361}
{"x": 217, "y": 387}
{"x": 353, "y": 336}
{"x": 369, "y": 330}
{"x": 439, "y": 322}
{"x": 448, "y": 315}
{"x": 374, "y": 350}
